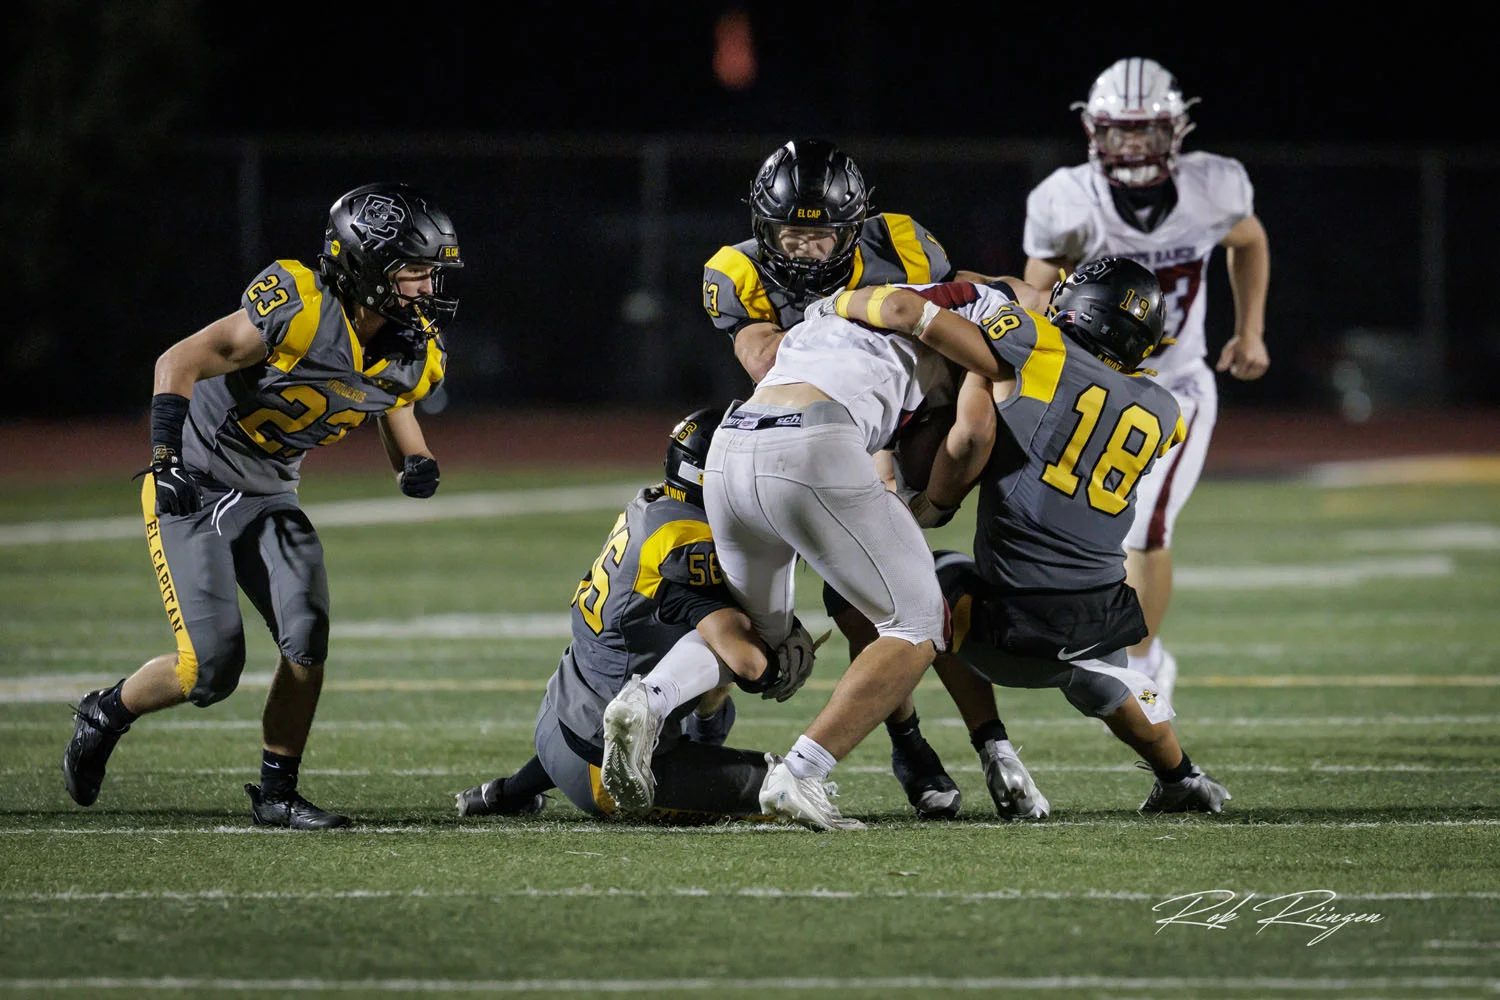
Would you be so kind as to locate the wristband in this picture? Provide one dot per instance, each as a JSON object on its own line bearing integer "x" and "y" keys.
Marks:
{"x": 168, "y": 413}
{"x": 929, "y": 313}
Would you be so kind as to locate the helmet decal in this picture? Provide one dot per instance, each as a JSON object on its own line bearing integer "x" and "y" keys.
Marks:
{"x": 380, "y": 217}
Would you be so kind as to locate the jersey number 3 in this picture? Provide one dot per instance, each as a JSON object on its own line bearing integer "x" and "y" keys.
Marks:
{"x": 1108, "y": 493}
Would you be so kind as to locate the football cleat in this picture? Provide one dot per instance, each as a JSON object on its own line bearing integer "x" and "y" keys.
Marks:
{"x": 1015, "y": 794}
{"x": 928, "y": 788}
{"x": 88, "y": 751}
{"x": 630, "y": 736}
{"x": 1195, "y": 793}
{"x": 712, "y": 731}
{"x": 491, "y": 799}
{"x": 802, "y": 800}
{"x": 293, "y": 812}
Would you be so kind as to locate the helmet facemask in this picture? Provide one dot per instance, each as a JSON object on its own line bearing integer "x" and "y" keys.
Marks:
{"x": 805, "y": 257}
{"x": 418, "y": 317}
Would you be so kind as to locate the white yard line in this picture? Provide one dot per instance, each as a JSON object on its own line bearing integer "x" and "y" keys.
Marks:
{"x": 1254, "y": 984}
{"x": 395, "y": 510}
{"x": 1195, "y": 824}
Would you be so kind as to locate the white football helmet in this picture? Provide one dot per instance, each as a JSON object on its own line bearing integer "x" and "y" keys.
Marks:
{"x": 1135, "y": 118}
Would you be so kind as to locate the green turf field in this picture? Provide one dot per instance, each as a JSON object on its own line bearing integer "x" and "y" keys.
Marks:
{"x": 1339, "y": 663}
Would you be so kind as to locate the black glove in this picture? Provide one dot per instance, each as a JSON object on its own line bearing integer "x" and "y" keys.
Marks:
{"x": 176, "y": 493}
{"x": 420, "y": 477}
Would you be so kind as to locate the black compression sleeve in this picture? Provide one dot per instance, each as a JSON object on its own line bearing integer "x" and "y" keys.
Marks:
{"x": 168, "y": 413}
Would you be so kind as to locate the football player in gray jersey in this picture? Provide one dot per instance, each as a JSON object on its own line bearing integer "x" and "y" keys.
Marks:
{"x": 656, "y": 634}
{"x": 310, "y": 355}
{"x": 1044, "y": 603}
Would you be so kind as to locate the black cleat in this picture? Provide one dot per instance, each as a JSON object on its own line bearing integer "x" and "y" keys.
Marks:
{"x": 491, "y": 799}
{"x": 88, "y": 751}
{"x": 293, "y": 812}
{"x": 928, "y": 788}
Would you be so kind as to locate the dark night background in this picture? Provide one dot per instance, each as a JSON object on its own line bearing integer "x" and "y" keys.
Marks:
{"x": 158, "y": 154}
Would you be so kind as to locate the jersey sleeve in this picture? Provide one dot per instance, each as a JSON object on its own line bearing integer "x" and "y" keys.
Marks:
{"x": 1055, "y": 220}
{"x": 283, "y": 304}
{"x": 938, "y": 264}
{"x": 434, "y": 371}
{"x": 1230, "y": 189}
{"x": 685, "y": 605}
{"x": 734, "y": 296}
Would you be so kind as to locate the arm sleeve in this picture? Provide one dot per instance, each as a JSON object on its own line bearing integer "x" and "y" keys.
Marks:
{"x": 274, "y": 299}
{"x": 1055, "y": 226}
{"x": 680, "y": 604}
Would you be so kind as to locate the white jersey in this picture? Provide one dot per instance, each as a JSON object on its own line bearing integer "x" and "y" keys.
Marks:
{"x": 879, "y": 378}
{"x": 1071, "y": 214}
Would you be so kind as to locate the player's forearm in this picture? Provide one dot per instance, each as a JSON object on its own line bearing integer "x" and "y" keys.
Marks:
{"x": 966, "y": 449}
{"x": 1249, "y": 269}
{"x": 755, "y": 347}
{"x": 401, "y": 436}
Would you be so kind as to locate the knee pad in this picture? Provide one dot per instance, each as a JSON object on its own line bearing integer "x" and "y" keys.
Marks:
{"x": 219, "y": 667}
{"x": 1095, "y": 694}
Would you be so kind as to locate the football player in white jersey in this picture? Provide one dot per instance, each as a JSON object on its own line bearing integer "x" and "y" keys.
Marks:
{"x": 1141, "y": 197}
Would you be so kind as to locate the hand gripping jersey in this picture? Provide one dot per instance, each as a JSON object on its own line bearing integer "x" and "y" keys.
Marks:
{"x": 892, "y": 248}
{"x": 248, "y": 429}
{"x": 1071, "y": 214}
{"x": 1055, "y": 502}
{"x": 655, "y": 580}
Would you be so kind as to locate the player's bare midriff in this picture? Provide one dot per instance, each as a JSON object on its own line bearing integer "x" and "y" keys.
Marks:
{"x": 789, "y": 394}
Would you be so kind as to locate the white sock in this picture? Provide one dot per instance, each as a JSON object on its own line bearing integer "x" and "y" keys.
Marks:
{"x": 806, "y": 759}
{"x": 1148, "y": 664}
{"x": 689, "y": 669}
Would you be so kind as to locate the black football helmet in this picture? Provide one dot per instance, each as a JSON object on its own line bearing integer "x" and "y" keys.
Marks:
{"x": 687, "y": 453}
{"x": 808, "y": 184}
{"x": 1113, "y": 307}
{"x": 373, "y": 231}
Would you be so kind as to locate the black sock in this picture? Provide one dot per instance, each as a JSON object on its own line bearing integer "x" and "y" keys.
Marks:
{"x": 905, "y": 732}
{"x": 988, "y": 731}
{"x": 278, "y": 775}
{"x": 531, "y": 779}
{"x": 114, "y": 709}
{"x": 1179, "y": 772}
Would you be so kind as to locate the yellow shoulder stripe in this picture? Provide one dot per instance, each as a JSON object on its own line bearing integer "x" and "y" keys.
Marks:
{"x": 908, "y": 248}
{"x": 1179, "y": 435}
{"x": 857, "y": 272}
{"x": 304, "y": 325}
{"x": 431, "y": 375}
{"x": 748, "y": 287}
{"x": 663, "y": 542}
{"x": 1044, "y": 367}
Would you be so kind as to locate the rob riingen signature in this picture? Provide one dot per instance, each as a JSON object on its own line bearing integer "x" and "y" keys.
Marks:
{"x": 1216, "y": 909}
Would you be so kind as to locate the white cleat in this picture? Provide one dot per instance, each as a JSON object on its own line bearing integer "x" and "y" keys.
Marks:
{"x": 1015, "y": 794}
{"x": 630, "y": 735}
{"x": 801, "y": 800}
{"x": 1195, "y": 793}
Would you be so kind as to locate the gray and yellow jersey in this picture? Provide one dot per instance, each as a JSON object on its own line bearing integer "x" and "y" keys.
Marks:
{"x": 656, "y": 578}
{"x": 248, "y": 430}
{"x": 1055, "y": 500}
{"x": 892, "y": 248}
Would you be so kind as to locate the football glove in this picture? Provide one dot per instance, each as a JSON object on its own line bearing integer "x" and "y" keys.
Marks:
{"x": 795, "y": 659}
{"x": 927, "y": 513}
{"x": 420, "y": 476}
{"x": 176, "y": 493}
